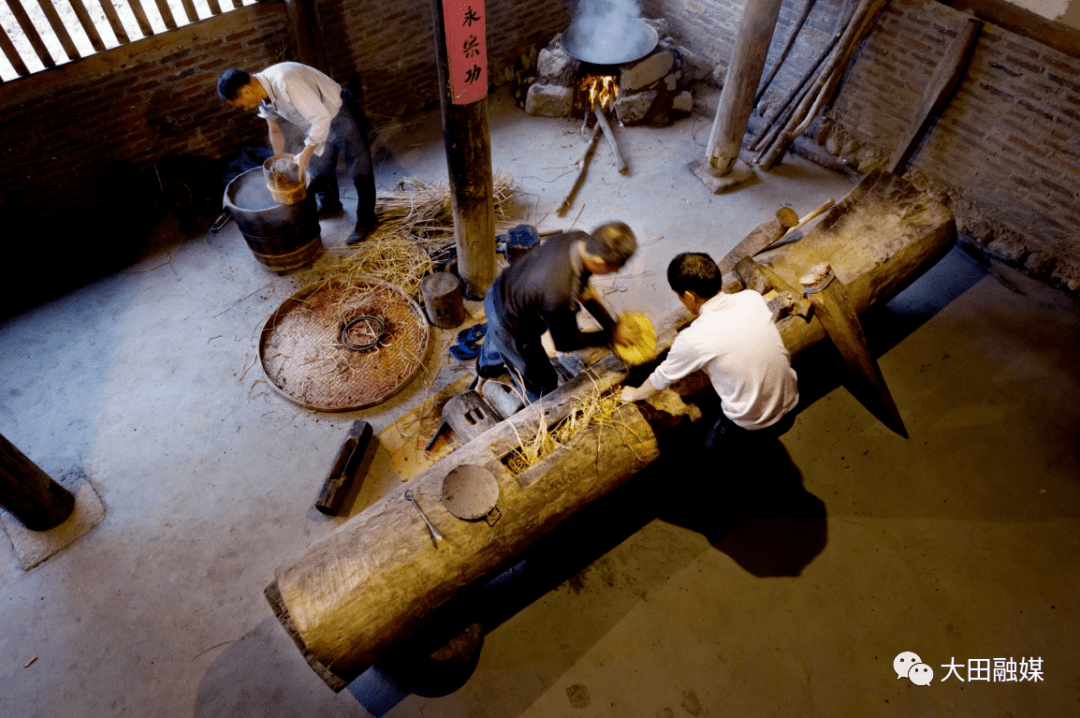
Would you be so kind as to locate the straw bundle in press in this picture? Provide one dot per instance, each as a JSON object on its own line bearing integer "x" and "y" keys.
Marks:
{"x": 594, "y": 409}
{"x": 635, "y": 338}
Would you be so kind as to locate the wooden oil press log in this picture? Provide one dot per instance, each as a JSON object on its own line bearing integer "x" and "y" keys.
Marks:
{"x": 378, "y": 579}
{"x": 879, "y": 239}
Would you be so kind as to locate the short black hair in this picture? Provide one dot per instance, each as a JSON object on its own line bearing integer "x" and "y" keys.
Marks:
{"x": 694, "y": 272}
{"x": 613, "y": 242}
{"x": 230, "y": 82}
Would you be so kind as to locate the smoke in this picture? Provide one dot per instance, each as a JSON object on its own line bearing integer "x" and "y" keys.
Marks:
{"x": 606, "y": 28}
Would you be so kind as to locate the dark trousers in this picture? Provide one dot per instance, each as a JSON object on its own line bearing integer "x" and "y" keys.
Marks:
{"x": 725, "y": 435}
{"x": 524, "y": 357}
{"x": 348, "y": 139}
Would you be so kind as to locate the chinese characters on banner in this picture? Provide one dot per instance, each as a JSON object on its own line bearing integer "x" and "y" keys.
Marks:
{"x": 466, "y": 49}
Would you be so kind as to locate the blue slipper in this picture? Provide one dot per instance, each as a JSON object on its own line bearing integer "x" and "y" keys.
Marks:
{"x": 472, "y": 334}
{"x": 464, "y": 351}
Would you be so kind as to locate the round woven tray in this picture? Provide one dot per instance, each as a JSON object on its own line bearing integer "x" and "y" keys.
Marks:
{"x": 302, "y": 355}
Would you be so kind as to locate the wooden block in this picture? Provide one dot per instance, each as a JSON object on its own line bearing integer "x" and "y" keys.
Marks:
{"x": 352, "y": 461}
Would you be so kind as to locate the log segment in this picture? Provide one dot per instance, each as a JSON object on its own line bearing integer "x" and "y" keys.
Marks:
{"x": 377, "y": 578}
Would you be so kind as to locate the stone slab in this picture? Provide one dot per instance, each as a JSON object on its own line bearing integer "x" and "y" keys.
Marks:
{"x": 739, "y": 175}
{"x": 33, "y": 547}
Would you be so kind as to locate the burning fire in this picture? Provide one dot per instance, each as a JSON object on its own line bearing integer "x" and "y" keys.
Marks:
{"x": 600, "y": 89}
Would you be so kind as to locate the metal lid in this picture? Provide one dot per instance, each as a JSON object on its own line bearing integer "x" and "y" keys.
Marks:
{"x": 470, "y": 492}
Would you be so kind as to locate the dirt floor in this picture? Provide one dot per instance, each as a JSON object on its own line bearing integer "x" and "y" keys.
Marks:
{"x": 783, "y": 590}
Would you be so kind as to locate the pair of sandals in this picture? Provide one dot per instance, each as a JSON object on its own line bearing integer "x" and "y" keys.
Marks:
{"x": 468, "y": 341}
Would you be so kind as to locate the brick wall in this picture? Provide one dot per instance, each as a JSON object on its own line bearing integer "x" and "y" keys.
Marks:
{"x": 388, "y": 48}
{"x": 88, "y": 142}
{"x": 91, "y": 131}
{"x": 1006, "y": 149}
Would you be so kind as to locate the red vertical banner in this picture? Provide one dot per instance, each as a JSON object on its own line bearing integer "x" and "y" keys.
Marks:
{"x": 466, "y": 50}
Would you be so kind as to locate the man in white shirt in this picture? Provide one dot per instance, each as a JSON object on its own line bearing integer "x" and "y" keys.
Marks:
{"x": 734, "y": 340}
{"x": 333, "y": 123}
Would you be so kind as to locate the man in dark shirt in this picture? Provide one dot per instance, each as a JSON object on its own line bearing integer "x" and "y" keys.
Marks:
{"x": 540, "y": 291}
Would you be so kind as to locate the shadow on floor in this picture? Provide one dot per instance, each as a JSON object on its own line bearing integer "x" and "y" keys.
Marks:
{"x": 754, "y": 509}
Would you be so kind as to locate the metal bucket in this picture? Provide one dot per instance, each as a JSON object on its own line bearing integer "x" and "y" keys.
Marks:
{"x": 283, "y": 237}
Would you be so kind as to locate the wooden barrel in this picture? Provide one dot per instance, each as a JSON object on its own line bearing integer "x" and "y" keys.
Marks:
{"x": 283, "y": 237}
{"x": 443, "y": 301}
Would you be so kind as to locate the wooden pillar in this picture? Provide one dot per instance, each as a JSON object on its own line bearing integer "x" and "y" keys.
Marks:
{"x": 307, "y": 34}
{"x": 832, "y": 306}
{"x": 468, "y": 156}
{"x": 740, "y": 84}
{"x": 29, "y": 493}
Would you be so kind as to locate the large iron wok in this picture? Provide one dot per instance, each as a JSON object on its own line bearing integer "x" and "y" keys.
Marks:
{"x": 607, "y": 43}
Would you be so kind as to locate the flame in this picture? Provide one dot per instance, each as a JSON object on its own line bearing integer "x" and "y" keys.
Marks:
{"x": 602, "y": 89}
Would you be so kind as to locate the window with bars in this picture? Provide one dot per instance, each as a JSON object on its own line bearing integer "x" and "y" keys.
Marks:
{"x": 39, "y": 34}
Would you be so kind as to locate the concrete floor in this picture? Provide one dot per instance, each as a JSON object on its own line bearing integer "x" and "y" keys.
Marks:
{"x": 786, "y": 592}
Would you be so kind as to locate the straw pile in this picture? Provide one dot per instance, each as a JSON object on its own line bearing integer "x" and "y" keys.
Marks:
{"x": 596, "y": 409}
{"x": 416, "y": 231}
{"x": 422, "y": 212}
{"x": 635, "y": 338}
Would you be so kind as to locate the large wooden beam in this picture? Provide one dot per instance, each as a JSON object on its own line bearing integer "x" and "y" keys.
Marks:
{"x": 378, "y": 578}
{"x": 468, "y": 156}
{"x": 29, "y": 493}
{"x": 740, "y": 84}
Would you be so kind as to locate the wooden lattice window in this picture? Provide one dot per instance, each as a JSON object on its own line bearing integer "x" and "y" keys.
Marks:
{"x": 39, "y": 34}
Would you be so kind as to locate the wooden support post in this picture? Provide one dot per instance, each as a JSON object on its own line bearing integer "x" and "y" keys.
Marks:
{"x": 468, "y": 157}
{"x": 938, "y": 93}
{"x": 29, "y": 493}
{"x": 832, "y": 306}
{"x": 307, "y": 34}
{"x": 740, "y": 84}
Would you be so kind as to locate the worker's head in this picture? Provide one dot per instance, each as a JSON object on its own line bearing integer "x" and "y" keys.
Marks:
{"x": 695, "y": 277}
{"x": 238, "y": 89}
{"x": 608, "y": 247}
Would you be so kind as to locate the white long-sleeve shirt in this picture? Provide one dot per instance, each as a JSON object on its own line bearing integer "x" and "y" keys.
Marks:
{"x": 739, "y": 347}
{"x": 303, "y": 96}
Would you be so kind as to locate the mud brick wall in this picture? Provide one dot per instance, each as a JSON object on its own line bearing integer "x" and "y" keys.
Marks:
{"x": 1006, "y": 149}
